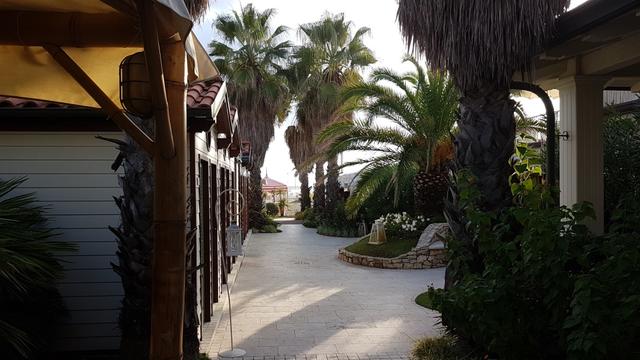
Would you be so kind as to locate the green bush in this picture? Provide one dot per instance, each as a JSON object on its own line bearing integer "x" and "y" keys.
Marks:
{"x": 269, "y": 229}
{"x": 405, "y": 225}
{"x": 303, "y": 215}
{"x": 271, "y": 209}
{"x": 29, "y": 269}
{"x": 621, "y": 136}
{"x": 336, "y": 222}
{"x": 338, "y": 232}
{"x": 537, "y": 284}
{"x": 310, "y": 223}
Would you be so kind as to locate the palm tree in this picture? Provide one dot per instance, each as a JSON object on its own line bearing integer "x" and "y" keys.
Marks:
{"x": 299, "y": 151}
{"x": 422, "y": 108}
{"x": 330, "y": 57}
{"x": 482, "y": 45}
{"x": 29, "y": 269}
{"x": 251, "y": 56}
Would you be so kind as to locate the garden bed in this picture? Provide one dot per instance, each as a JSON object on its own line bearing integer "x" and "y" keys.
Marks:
{"x": 426, "y": 252}
{"x": 395, "y": 246}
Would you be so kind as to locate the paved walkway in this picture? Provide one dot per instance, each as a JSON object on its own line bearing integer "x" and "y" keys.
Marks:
{"x": 294, "y": 299}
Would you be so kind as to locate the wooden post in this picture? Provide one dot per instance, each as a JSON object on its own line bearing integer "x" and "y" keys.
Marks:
{"x": 170, "y": 204}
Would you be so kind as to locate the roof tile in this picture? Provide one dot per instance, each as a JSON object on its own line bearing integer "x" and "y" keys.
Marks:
{"x": 199, "y": 95}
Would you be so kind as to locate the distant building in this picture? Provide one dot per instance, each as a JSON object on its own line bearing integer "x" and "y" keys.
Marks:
{"x": 273, "y": 190}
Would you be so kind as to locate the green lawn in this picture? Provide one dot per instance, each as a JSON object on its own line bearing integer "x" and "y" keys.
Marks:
{"x": 425, "y": 300}
{"x": 395, "y": 246}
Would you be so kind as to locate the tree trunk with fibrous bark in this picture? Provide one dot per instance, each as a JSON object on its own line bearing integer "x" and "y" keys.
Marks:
{"x": 484, "y": 145}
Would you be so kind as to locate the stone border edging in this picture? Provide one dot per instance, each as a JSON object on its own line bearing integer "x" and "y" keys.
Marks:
{"x": 415, "y": 259}
{"x": 430, "y": 252}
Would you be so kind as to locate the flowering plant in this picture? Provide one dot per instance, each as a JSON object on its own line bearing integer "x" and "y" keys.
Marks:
{"x": 404, "y": 224}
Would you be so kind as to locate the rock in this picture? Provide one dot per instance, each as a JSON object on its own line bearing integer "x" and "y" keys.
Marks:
{"x": 434, "y": 232}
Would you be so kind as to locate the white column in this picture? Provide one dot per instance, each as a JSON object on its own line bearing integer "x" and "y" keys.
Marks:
{"x": 581, "y": 155}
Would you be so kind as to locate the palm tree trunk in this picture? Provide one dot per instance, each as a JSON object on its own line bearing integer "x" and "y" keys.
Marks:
{"x": 429, "y": 190}
{"x": 135, "y": 244}
{"x": 484, "y": 144}
{"x": 333, "y": 186}
{"x": 305, "y": 199}
{"x": 319, "y": 188}
{"x": 256, "y": 219}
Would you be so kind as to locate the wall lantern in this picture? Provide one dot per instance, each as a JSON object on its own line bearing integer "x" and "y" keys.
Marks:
{"x": 234, "y": 240}
{"x": 377, "y": 236}
{"x": 233, "y": 232}
{"x": 135, "y": 89}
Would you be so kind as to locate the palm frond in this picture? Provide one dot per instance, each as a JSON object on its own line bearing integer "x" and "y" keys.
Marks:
{"x": 479, "y": 42}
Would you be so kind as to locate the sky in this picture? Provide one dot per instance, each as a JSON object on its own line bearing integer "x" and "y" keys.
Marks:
{"x": 384, "y": 40}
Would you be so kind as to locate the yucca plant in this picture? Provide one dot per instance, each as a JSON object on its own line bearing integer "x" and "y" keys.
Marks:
{"x": 421, "y": 107}
{"x": 29, "y": 268}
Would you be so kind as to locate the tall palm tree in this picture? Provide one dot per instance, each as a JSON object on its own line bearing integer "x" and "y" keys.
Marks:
{"x": 331, "y": 56}
{"x": 482, "y": 45}
{"x": 300, "y": 150}
{"x": 251, "y": 55}
{"x": 422, "y": 109}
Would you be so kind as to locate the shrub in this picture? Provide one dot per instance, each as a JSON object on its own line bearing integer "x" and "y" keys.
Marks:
{"x": 271, "y": 209}
{"x": 336, "y": 222}
{"x": 405, "y": 225}
{"x": 29, "y": 268}
{"x": 268, "y": 229}
{"x": 621, "y": 135}
{"x": 303, "y": 215}
{"x": 440, "y": 348}
{"x": 338, "y": 232}
{"x": 536, "y": 284}
{"x": 310, "y": 223}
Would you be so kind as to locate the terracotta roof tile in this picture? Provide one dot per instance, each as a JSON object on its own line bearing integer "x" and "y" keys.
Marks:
{"x": 199, "y": 95}
{"x": 271, "y": 183}
{"x": 203, "y": 94}
{"x": 13, "y": 102}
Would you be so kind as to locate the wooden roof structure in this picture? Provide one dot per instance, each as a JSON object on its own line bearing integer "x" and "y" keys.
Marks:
{"x": 69, "y": 51}
{"x": 598, "y": 38}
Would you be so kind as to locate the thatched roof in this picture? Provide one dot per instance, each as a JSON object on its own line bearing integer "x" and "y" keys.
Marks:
{"x": 197, "y": 8}
{"x": 479, "y": 41}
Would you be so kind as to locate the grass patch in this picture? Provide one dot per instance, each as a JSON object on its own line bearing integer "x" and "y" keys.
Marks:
{"x": 425, "y": 300}
{"x": 395, "y": 246}
{"x": 441, "y": 348}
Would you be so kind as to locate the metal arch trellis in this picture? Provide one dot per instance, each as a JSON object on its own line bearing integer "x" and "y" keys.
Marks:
{"x": 234, "y": 352}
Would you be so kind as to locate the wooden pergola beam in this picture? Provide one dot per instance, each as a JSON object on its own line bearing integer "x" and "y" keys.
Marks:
{"x": 34, "y": 28}
{"x": 164, "y": 138}
{"x": 113, "y": 111}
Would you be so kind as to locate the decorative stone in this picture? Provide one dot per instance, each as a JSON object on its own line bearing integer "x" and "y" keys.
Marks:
{"x": 434, "y": 232}
{"x": 378, "y": 235}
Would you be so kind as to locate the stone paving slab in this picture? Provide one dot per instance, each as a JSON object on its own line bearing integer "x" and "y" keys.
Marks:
{"x": 385, "y": 356}
{"x": 294, "y": 299}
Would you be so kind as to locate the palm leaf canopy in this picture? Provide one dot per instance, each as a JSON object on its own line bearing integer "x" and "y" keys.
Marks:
{"x": 331, "y": 55}
{"x": 479, "y": 42}
{"x": 420, "y": 108}
{"x": 251, "y": 55}
{"x": 197, "y": 8}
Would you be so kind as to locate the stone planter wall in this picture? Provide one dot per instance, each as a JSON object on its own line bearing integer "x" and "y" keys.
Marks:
{"x": 430, "y": 252}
